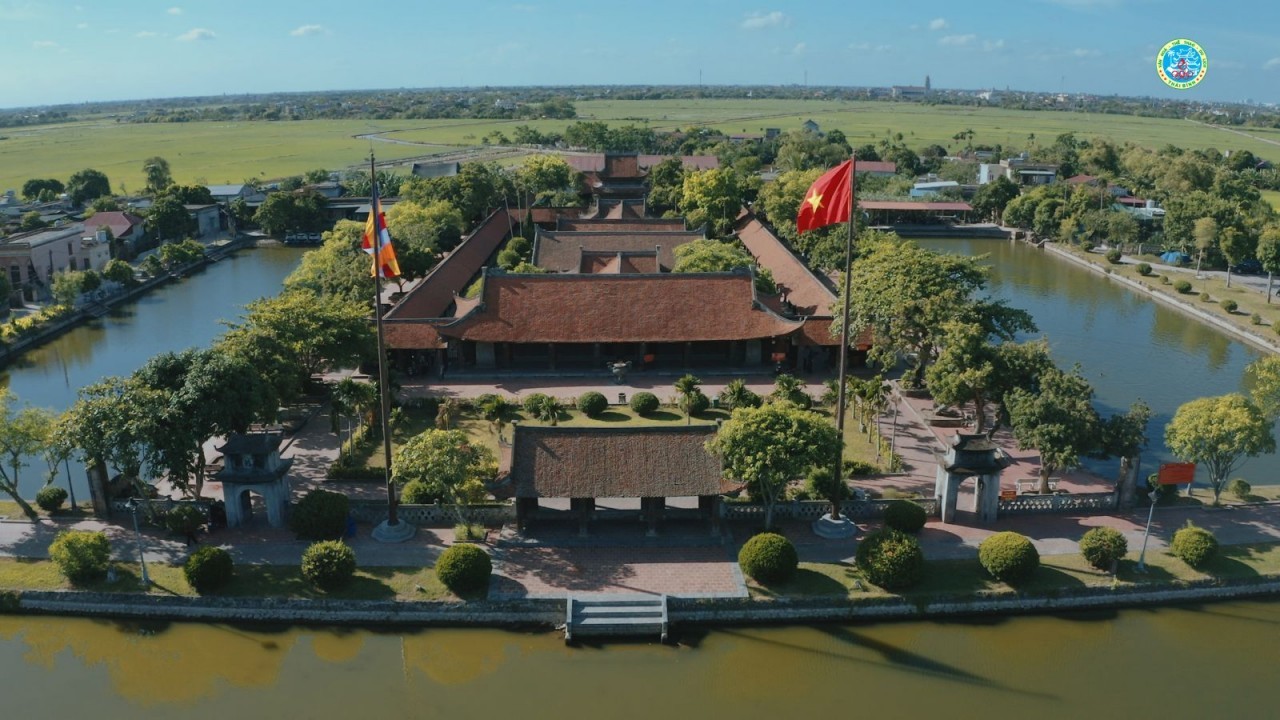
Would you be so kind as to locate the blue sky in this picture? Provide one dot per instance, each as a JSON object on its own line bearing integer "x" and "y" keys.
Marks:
{"x": 57, "y": 52}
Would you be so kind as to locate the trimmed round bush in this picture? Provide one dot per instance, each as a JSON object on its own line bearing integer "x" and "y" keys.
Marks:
{"x": 1255, "y": 319}
{"x": 1204, "y": 297}
{"x": 1144, "y": 269}
{"x": 532, "y": 404}
{"x": 50, "y": 498}
{"x": 1008, "y": 556}
{"x": 81, "y": 555}
{"x": 905, "y": 516}
{"x": 417, "y": 493}
{"x": 1102, "y": 547}
{"x": 320, "y": 515}
{"x": 1194, "y": 545}
{"x": 1164, "y": 280}
{"x": 1182, "y": 286}
{"x": 644, "y": 403}
{"x": 328, "y": 564}
{"x": 697, "y": 403}
{"x": 1114, "y": 255}
{"x": 184, "y": 519}
{"x": 464, "y": 568}
{"x": 768, "y": 558}
{"x": 1240, "y": 488}
{"x": 1230, "y": 306}
{"x": 592, "y": 404}
{"x": 208, "y": 569}
{"x": 891, "y": 559}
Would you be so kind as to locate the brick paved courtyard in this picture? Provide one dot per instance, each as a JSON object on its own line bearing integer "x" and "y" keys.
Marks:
{"x": 541, "y": 572}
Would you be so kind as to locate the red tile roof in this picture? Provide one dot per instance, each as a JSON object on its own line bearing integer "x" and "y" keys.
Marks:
{"x": 630, "y": 224}
{"x": 562, "y": 251}
{"x": 121, "y": 224}
{"x": 907, "y": 205}
{"x": 563, "y": 462}
{"x": 803, "y": 289}
{"x": 594, "y": 162}
{"x": 555, "y": 308}
{"x": 433, "y": 296}
{"x": 877, "y": 166}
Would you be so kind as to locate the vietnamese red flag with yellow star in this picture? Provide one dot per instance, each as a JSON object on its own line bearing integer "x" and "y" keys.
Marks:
{"x": 829, "y": 199}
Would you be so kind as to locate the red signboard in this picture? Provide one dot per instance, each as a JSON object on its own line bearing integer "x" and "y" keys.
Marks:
{"x": 1177, "y": 473}
{"x": 1008, "y": 494}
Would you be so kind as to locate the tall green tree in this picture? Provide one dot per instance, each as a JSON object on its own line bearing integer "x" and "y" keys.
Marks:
{"x": 35, "y": 188}
{"x": 23, "y": 434}
{"x": 169, "y": 220}
{"x": 666, "y": 186}
{"x": 905, "y": 295}
{"x": 1236, "y": 246}
{"x": 1123, "y": 436}
{"x": 112, "y": 422}
{"x": 1205, "y": 233}
{"x": 991, "y": 199}
{"x": 87, "y": 185}
{"x": 712, "y": 198}
{"x": 1059, "y": 421}
{"x": 159, "y": 177}
{"x": 338, "y": 269}
{"x": 1269, "y": 254}
{"x": 542, "y": 177}
{"x": 449, "y": 463}
{"x": 300, "y": 211}
{"x": 769, "y": 446}
{"x": 1219, "y": 432}
{"x": 964, "y": 371}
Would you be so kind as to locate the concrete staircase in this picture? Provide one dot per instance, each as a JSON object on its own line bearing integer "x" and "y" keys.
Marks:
{"x": 615, "y": 616}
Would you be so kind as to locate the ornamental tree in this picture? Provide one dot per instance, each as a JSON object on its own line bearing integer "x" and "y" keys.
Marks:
{"x": 156, "y": 169}
{"x": 1219, "y": 432}
{"x": 86, "y": 185}
{"x": 1059, "y": 421}
{"x": 768, "y": 446}
{"x": 449, "y": 464}
{"x": 1269, "y": 254}
{"x": 712, "y": 198}
{"x": 23, "y": 433}
{"x": 716, "y": 256}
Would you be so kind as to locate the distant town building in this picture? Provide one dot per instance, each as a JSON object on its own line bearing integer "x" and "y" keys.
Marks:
{"x": 926, "y": 189}
{"x": 1020, "y": 170}
{"x": 876, "y": 168}
{"x": 913, "y": 92}
{"x": 31, "y": 259}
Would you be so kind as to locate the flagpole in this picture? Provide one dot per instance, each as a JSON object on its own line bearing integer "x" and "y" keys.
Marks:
{"x": 842, "y": 393}
{"x": 392, "y": 530}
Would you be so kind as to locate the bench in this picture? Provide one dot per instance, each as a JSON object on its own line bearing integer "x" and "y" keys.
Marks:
{"x": 1033, "y": 486}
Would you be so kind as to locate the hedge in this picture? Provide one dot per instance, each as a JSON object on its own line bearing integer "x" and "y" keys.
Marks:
{"x": 905, "y": 515}
{"x": 81, "y": 555}
{"x": 320, "y": 515}
{"x": 768, "y": 558}
{"x": 50, "y": 498}
{"x": 644, "y": 403}
{"x": 1008, "y": 556}
{"x": 1102, "y": 547}
{"x": 208, "y": 569}
{"x": 464, "y": 568}
{"x": 891, "y": 559}
{"x": 328, "y": 564}
{"x": 1194, "y": 545}
{"x": 592, "y": 404}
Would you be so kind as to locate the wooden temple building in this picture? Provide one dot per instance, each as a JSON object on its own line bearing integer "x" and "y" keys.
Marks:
{"x": 607, "y": 293}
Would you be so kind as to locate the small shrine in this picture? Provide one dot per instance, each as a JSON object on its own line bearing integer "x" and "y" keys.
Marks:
{"x": 252, "y": 464}
{"x": 975, "y": 456}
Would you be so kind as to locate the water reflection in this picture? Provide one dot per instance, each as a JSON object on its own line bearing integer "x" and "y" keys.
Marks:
{"x": 1130, "y": 347}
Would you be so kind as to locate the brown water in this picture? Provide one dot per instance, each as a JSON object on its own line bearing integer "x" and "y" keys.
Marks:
{"x": 1194, "y": 662}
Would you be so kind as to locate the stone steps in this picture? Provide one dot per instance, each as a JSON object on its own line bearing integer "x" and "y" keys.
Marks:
{"x": 616, "y": 616}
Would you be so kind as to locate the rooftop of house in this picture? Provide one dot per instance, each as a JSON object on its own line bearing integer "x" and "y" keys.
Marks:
{"x": 563, "y": 462}
{"x": 563, "y": 251}
{"x": 801, "y": 287}
{"x": 120, "y": 223}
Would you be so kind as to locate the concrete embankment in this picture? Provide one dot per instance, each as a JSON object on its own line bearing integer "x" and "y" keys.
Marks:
{"x": 1255, "y": 339}
{"x": 97, "y": 309}
{"x": 548, "y": 613}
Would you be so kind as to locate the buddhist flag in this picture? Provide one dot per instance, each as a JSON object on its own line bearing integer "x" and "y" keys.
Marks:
{"x": 829, "y": 199}
{"x": 377, "y": 240}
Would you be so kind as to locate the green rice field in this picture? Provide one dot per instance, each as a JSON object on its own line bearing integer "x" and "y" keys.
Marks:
{"x": 233, "y": 151}
{"x": 1273, "y": 197}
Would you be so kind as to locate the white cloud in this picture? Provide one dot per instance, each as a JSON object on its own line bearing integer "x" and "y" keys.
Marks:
{"x": 957, "y": 40}
{"x": 305, "y": 30}
{"x": 1271, "y": 64}
{"x": 991, "y": 45}
{"x": 798, "y": 49}
{"x": 938, "y": 24}
{"x": 145, "y": 34}
{"x": 760, "y": 21}
{"x": 1086, "y": 52}
{"x": 868, "y": 47}
{"x": 197, "y": 34}
{"x": 524, "y": 8}
{"x": 174, "y": 11}
{"x": 82, "y": 26}
{"x": 44, "y": 45}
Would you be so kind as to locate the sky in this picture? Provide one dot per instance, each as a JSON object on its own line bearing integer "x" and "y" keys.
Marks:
{"x": 55, "y": 52}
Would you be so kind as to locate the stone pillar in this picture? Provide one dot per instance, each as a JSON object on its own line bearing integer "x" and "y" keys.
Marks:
{"x": 485, "y": 358}
{"x": 582, "y": 508}
{"x": 688, "y": 354}
{"x": 709, "y": 505}
{"x": 551, "y": 356}
{"x": 947, "y": 489}
{"x": 96, "y": 473}
{"x": 526, "y": 508}
{"x": 986, "y": 498}
{"x": 651, "y": 508}
{"x": 754, "y": 352}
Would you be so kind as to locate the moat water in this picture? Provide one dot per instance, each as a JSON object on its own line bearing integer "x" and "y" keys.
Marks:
{"x": 1213, "y": 661}
{"x": 185, "y": 314}
{"x": 1127, "y": 345}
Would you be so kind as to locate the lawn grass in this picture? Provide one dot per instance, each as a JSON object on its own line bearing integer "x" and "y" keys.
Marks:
{"x": 229, "y": 152}
{"x": 371, "y": 583}
{"x": 1273, "y": 197}
{"x": 1249, "y": 301}
{"x": 966, "y": 578}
